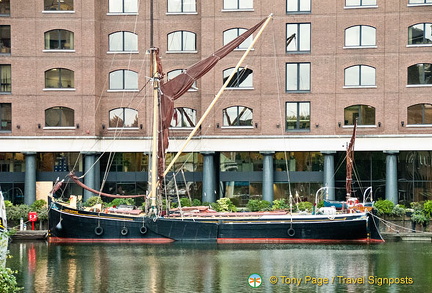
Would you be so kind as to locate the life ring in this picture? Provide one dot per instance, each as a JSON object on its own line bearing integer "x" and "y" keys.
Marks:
{"x": 291, "y": 232}
{"x": 98, "y": 230}
{"x": 124, "y": 231}
{"x": 143, "y": 230}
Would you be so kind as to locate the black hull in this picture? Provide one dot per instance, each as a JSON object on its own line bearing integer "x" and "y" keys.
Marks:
{"x": 69, "y": 225}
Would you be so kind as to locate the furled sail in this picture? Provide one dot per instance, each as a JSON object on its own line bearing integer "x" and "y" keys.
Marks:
{"x": 350, "y": 161}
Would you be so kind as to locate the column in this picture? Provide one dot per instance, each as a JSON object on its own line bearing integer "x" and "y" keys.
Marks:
{"x": 329, "y": 178}
{"x": 30, "y": 178}
{"x": 268, "y": 176}
{"x": 209, "y": 178}
{"x": 89, "y": 170}
{"x": 391, "y": 191}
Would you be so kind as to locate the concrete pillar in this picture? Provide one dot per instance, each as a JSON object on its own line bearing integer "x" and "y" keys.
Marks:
{"x": 89, "y": 170}
{"x": 329, "y": 172}
{"x": 30, "y": 178}
{"x": 268, "y": 176}
{"x": 391, "y": 191}
{"x": 209, "y": 177}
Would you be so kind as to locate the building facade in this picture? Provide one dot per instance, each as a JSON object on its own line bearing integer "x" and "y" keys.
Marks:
{"x": 75, "y": 95}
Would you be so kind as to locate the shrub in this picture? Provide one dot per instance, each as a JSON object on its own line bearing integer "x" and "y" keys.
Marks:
{"x": 38, "y": 204}
{"x": 384, "y": 207}
{"x": 92, "y": 201}
{"x": 8, "y": 282}
{"x": 255, "y": 205}
{"x": 119, "y": 201}
{"x": 185, "y": 202}
{"x": 427, "y": 207}
{"x": 419, "y": 217}
{"x": 305, "y": 206}
{"x": 225, "y": 205}
{"x": 280, "y": 204}
{"x": 398, "y": 210}
{"x": 196, "y": 202}
{"x": 16, "y": 212}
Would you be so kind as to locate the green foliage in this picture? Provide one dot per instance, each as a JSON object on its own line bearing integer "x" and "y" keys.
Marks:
{"x": 255, "y": 205}
{"x": 420, "y": 217}
{"x": 122, "y": 201}
{"x": 38, "y": 205}
{"x": 92, "y": 201}
{"x": 8, "y": 281}
{"x": 8, "y": 203}
{"x": 225, "y": 205}
{"x": 427, "y": 207}
{"x": 384, "y": 207}
{"x": 280, "y": 204}
{"x": 305, "y": 206}
{"x": 185, "y": 202}
{"x": 398, "y": 210}
{"x": 196, "y": 202}
{"x": 16, "y": 212}
{"x": 416, "y": 206}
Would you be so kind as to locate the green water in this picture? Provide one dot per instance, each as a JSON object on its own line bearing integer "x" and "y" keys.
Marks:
{"x": 186, "y": 267}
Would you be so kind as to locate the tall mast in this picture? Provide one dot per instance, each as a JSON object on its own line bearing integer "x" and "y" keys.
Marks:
{"x": 155, "y": 78}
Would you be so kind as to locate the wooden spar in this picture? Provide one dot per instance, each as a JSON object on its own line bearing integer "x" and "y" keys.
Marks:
{"x": 154, "y": 169}
{"x": 216, "y": 98}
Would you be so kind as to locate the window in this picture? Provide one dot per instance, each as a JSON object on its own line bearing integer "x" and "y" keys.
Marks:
{"x": 233, "y": 33}
{"x": 5, "y": 117}
{"x": 183, "y": 117}
{"x": 420, "y": 33}
{"x": 360, "y": 36}
{"x": 237, "y": 116}
{"x": 123, "y": 80}
{"x": 420, "y": 74}
{"x": 123, "y": 6}
{"x": 60, "y": 5}
{"x": 302, "y": 42}
{"x": 364, "y": 114}
{"x": 420, "y": 114}
{"x": 297, "y": 116}
{"x": 59, "y": 117}
{"x": 4, "y": 7}
{"x": 182, "y": 41}
{"x": 243, "y": 78}
{"x": 123, "y": 42}
{"x": 123, "y": 118}
{"x": 181, "y": 6}
{"x": 355, "y": 3}
{"x": 5, "y": 39}
{"x": 359, "y": 75}
{"x": 59, "y": 40}
{"x": 297, "y": 77}
{"x": 5, "y": 78}
{"x": 173, "y": 73}
{"x": 59, "y": 78}
{"x": 298, "y": 6}
{"x": 419, "y": 2}
{"x": 238, "y": 4}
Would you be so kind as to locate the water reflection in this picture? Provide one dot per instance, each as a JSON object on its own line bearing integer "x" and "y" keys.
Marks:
{"x": 182, "y": 267}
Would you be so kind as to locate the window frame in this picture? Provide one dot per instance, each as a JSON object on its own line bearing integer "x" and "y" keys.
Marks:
{"x": 238, "y": 31}
{"x": 239, "y": 4}
{"x": 361, "y": 37}
{"x": 59, "y": 31}
{"x": 299, "y": 77}
{"x": 182, "y": 7}
{"x": 125, "y": 35}
{"x": 61, "y": 110}
{"x": 299, "y": 5}
{"x": 420, "y": 84}
{"x": 300, "y": 37}
{"x": 5, "y": 8}
{"x": 6, "y": 41}
{"x": 184, "y": 118}
{"x": 237, "y": 119}
{"x": 124, "y": 81}
{"x": 249, "y": 79}
{"x": 5, "y": 123}
{"x": 60, "y": 79}
{"x": 122, "y": 11}
{"x": 298, "y": 116}
{"x": 424, "y": 3}
{"x": 124, "y": 112}
{"x": 171, "y": 38}
{"x": 423, "y": 114}
{"x": 423, "y": 44}
{"x": 361, "y": 115}
{"x": 361, "y": 5}
{"x": 360, "y": 76}
{"x": 5, "y": 82}
{"x": 49, "y": 4}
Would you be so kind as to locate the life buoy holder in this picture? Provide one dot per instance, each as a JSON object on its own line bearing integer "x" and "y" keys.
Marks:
{"x": 124, "y": 231}
{"x": 143, "y": 230}
{"x": 98, "y": 230}
{"x": 291, "y": 232}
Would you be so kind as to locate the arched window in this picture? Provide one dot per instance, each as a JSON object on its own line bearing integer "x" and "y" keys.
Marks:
{"x": 233, "y": 33}
{"x": 123, "y": 80}
{"x": 243, "y": 78}
{"x": 183, "y": 117}
{"x": 420, "y": 73}
{"x": 237, "y": 116}
{"x": 182, "y": 41}
{"x": 123, "y": 42}
{"x": 360, "y": 36}
{"x": 359, "y": 75}
{"x": 173, "y": 73}
{"x": 62, "y": 5}
{"x": 123, "y": 6}
{"x": 59, "y": 78}
{"x": 181, "y": 6}
{"x": 59, "y": 117}
{"x": 364, "y": 114}
{"x": 123, "y": 118}
{"x": 59, "y": 39}
{"x": 420, "y": 34}
{"x": 420, "y": 114}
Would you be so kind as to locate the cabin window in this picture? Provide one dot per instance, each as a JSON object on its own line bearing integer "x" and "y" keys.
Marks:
{"x": 183, "y": 117}
{"x": 298, "y": 6}
{"x": 59, "y": 78}
{"x": 243, "y": 78}
{"x": 298, "y": 77}
{"x": 5, "y": 117}
{"x": 59, "y": 40}
{"x": 355, "y": 3}
{"x": 419, "y": 2}
{"x": 5, "y": 39}
{"x": 59, "y": 5}
{"x": 359, "y": 76}
{"x": 182, "y": 41}
{"x": 302, "y": 43}
{"x": 420, "y": 74}
{"x": 123, "y": 6}
{"x": 176, "y": 72}
{"x": 123, "y": 79}
{"x": 237, "y": 116}
{"x": 5, "y": 8}
{"x": 59, "y": 117}
{"x": 233, "y": 33}
{"x": 238, "y": 4}
{"x": 364, "y": 114}
{"x": 123, "y": 42}
{"x": 360, "y": 36}
{"x": 420, "y": 114}
{"x": 297, "y": 116}
{"x": 5, "y": 78}
{"x": 181, "y": 6}
{"x": 420, "y": 34}
{"x": 123, "y": 118}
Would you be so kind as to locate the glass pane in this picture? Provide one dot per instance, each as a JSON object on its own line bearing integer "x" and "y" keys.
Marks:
{"x": 304, "y": 116}
{"x": 116, "y": 118}
{"x": 6, "y": 116}
{"x": 5, "y": 39}
{"x": 352, "y": 36}
{"x": 130, "y": 6}
{"x": 305, "y": 5}
{"x": 58, "y": 5}
{"x": 304, "y": 38}
{"x": 67, "y": 117}
{"x": 304, "y": 81}
{"x": 352, "y": 76}
{"x": 5, "y": 7}
{"x": 174, "y": 6}
{"x": 291, "y": 116}
{"x": 246, "y": 4}
{"x": 130, "y": 41}
{"x": 245, "y": 116}
{"x": 52, "y": 78}
{"x": 291, "y": 77}
{"x": 5, "y": 79}
{"x": 115, "y": 6}
{"x": 131, "y": 80}
{"x": 189, "y": 6}
{"x": 174, "y": 41}
{"x": 427, "y": 114}
{"x": 229, "y": 35}
{"x": 292, "y": 29}
{"x": 352, "y": 3}
{"x": 52, "y": 117}
{"x": 67, "y": 78}
{"x": 230, "y": 116}
{"x": 230, "y": 4}
{"x": 368, "y": 2}
{"x": 116, "y": 42}
{"x": 351, "y": 114}
{"x": 368, "y": 75}
{"x": 292, "y": 5}
{"x": 188, "y": 41}
{"x": 415, "y": 114}
{"x": 368, "y": 36}
{"x": 368, "y": 115}
{"x": 131, "y": 118}
{"x": 116, "y": 80}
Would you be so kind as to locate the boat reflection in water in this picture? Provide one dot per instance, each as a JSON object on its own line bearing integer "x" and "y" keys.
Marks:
{"x": 188, "y": 267}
